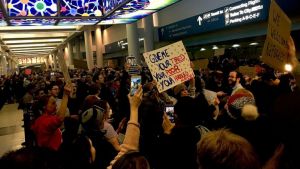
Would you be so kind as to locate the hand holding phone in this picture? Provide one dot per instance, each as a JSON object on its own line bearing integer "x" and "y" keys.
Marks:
{"x": 135, "y": 82}
{"x": 169, "y": 109}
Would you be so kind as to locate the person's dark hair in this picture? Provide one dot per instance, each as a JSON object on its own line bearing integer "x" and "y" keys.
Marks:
{"x": 185, "y": 110}
{"x": 43, "y": 101}
{"x": 131, "y": 160}
{"x": 50, "y": 86}
{"x": 81, "y": 152}
{"x": 31, "y": 158}
{"x": 94, "y": 89}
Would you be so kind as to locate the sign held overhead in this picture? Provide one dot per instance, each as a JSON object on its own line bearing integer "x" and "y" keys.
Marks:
{"x": 169, "y": 65}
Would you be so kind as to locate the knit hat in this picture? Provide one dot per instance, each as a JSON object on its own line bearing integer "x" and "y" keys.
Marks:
{"x": 92, "y": 118}
{"x": 242, "y": 105}
{"x": 177, "y": 89}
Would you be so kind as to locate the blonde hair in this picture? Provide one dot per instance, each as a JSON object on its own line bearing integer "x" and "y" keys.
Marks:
{"x": 222, "y": 149}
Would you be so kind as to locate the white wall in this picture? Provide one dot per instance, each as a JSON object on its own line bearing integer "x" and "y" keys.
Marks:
{"x": 114, "y": 33}
{"x": 188, "y": 8}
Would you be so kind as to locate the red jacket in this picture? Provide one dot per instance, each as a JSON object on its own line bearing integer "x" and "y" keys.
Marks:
{"x": 47, "y": 132}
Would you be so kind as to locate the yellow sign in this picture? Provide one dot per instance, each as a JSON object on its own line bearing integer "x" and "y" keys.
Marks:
{"x": 63, "y": 66}
{"x": 247, "y": 70}
{"x": 169, "y": 65}
{"x": 275, "y": 50}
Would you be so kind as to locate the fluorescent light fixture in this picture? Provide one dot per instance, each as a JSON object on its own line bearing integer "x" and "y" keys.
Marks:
{"x": 6, "y": 36}
{"x": 236, "y": 45}
{"x": 288, "y": 67}
{"x": 202, "y": 49}
{"x": 253, "y": 44}
{"x": 31, "y": 52}
{"x": 32, "y": 45}
{"x": 29, "y": 48}
{"x": 215, "y": 47}
{"x": 22, "y": 28}
{"x": 32, "y": 41}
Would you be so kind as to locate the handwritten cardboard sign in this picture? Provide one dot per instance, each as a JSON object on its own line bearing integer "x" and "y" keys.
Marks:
{"x": 275, "y": 50}
{"x": 169, "y": 65}
{"x": 63, "y": 66}
{"x": 247, "y": 70}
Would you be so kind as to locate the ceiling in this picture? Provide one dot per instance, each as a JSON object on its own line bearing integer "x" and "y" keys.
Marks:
{"x": 37, "y": 27}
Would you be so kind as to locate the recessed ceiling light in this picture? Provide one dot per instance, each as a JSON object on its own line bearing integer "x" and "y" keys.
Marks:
{"x": 215, "y": 47}
{"x": 253, "y": 43}
{"x": 202, "y": 49}
{"x": 236, "y": 45}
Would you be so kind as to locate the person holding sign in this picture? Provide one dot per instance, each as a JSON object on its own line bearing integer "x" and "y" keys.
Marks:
{"x": 47, "y": 126}
{"x": 286, "y": 122}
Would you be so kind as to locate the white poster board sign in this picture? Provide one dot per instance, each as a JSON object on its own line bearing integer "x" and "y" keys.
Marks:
{"x": 169, "y": 65}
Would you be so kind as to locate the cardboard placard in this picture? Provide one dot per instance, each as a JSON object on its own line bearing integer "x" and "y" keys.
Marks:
{"x": 247, "y": 70}
{"x": 275, "y": 52}
{"x": 27, "y": 71}
{"x": 169, "y": 65}
{"x": 63, "y": 66}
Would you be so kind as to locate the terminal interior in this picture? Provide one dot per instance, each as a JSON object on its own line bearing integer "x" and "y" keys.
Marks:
{"x": 43, "y": 40}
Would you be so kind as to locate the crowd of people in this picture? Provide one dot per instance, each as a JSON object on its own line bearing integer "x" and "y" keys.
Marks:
{"x": 222, "y": 120}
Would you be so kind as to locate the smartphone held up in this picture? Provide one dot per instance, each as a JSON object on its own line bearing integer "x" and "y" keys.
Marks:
{"x": 135, "y": 82}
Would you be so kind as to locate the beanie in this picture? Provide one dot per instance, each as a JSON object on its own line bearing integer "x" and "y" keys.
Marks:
{"x": 242, "y": 106}
{"x": 177, "y": 89}
{"x": 92, "y": 118}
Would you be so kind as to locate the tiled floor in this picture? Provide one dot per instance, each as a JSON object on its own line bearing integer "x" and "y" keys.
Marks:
{"x": 11, "y": 131}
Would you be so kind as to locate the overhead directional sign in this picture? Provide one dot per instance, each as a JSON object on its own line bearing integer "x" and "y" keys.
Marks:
{"x": 238, "y": 13}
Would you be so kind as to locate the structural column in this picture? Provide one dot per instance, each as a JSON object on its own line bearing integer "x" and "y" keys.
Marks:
{"x": 88, "y": 48}
{"x": 50, "y": 61}
{"x": 133, "y": 41}
{"x": 77, "y": 48}
{"x": 54, "y": 62}
{"x": 148, "y": 33}
{"x": 4, "y": 65}
{"x": 99, "y": 44}
{"x": 70, "y": 54}
{"x": 9, "y": 65}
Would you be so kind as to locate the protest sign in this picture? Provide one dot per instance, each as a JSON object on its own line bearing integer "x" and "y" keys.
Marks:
{"x": 63, "y": 66}
{"x": 133, "y": 67}
{"x": 247, "y": 70}
{"x": 275, "y": 52}
{"x": 169, "y": 65}
{"x": 28, "y": 71}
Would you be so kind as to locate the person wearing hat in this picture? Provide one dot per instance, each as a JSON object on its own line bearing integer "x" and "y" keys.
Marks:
{"x": 181, "y": 90}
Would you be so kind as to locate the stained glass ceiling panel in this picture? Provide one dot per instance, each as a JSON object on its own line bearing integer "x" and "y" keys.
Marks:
{"x": 131, "y": 14}
{"x": 116, "y": 21}
{"x": 75, "y": 22}
{"x": 78, "y": 12}
{"x": 109, "y": 5}
{"x": 32, "y": 22}
{"x": 32, "y": 7}
{"x": 2, "y": 21}
{"x": 80, "y": 8}
{"x": 148, "y": 4}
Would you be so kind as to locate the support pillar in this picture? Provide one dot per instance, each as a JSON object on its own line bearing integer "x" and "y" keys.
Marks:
{"x": 54, "y": 62}
{"x": 133, "y": 41}
{"x": 77, "y": 48}
{"x": 70, "y": 54}
{"x": 99, "y": 44}
{"x": 88, "y": 48}
{"x": 148, "y": 33}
